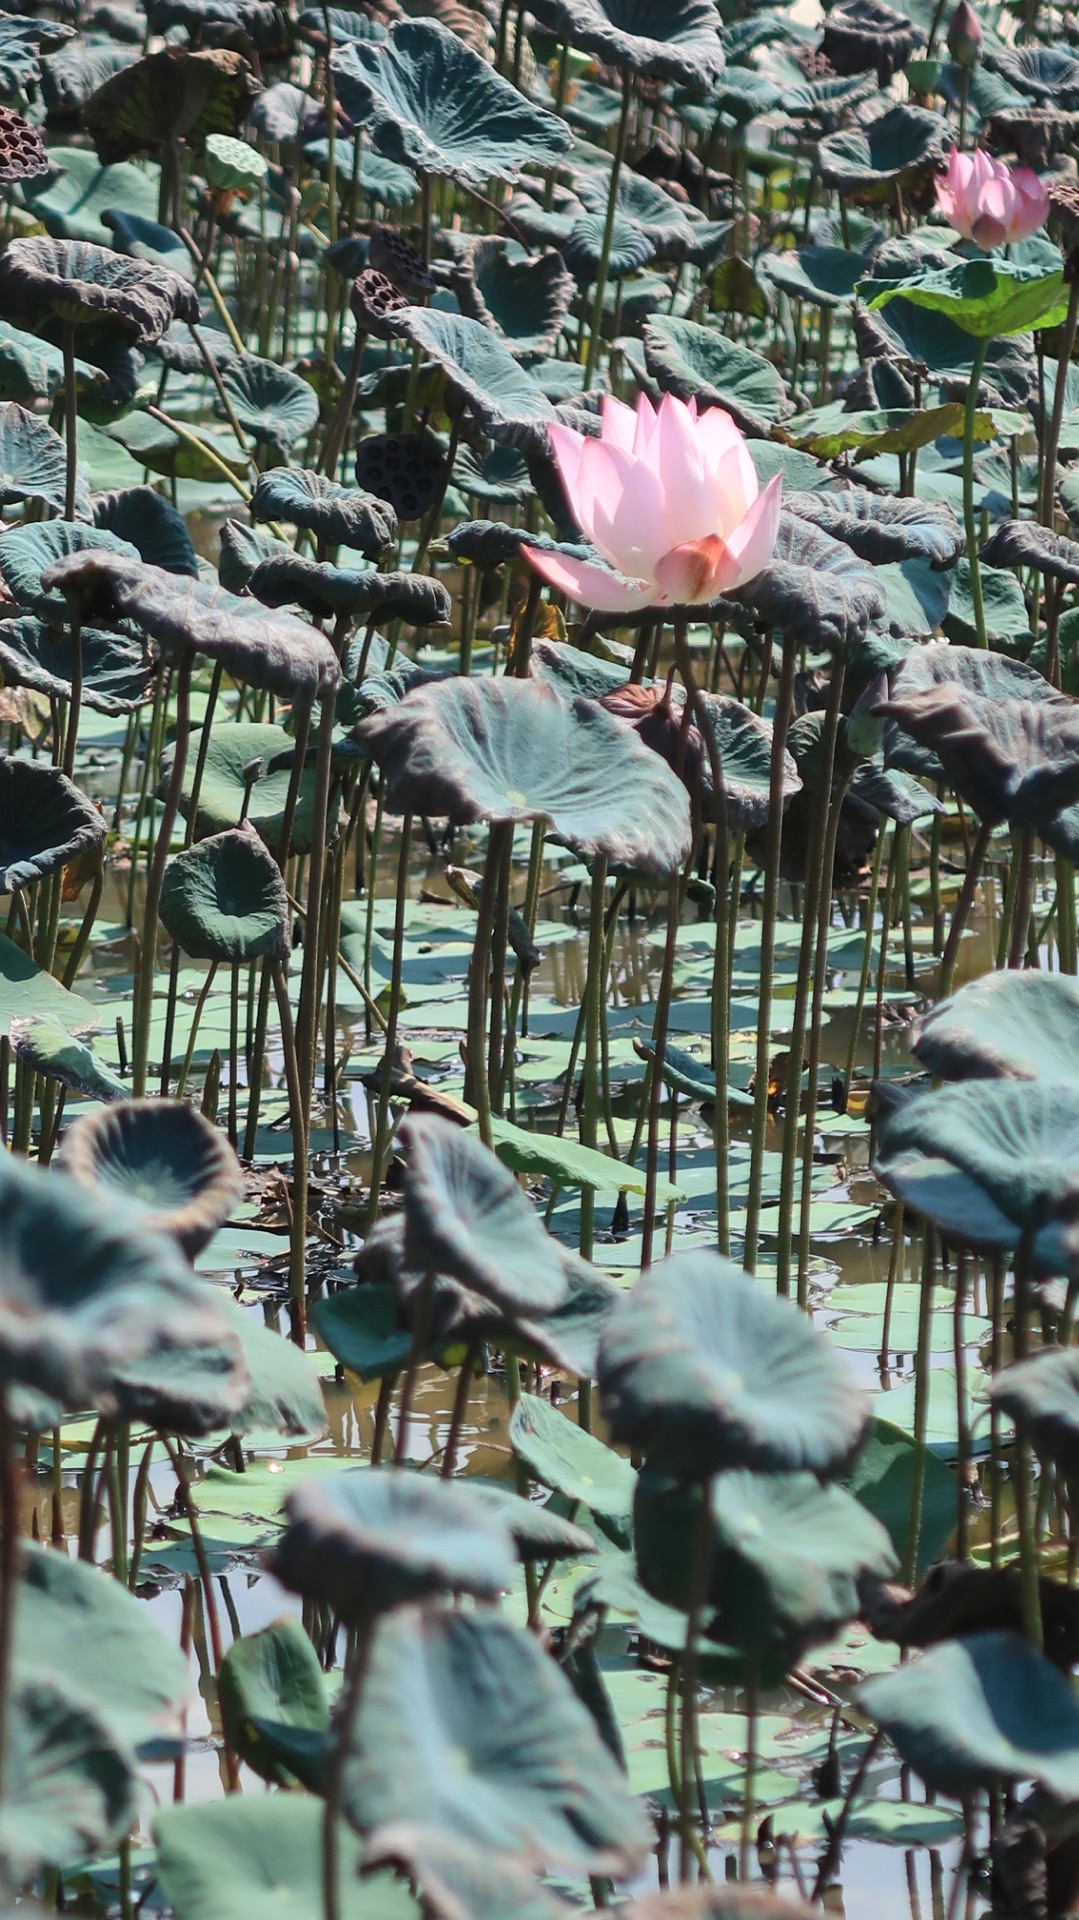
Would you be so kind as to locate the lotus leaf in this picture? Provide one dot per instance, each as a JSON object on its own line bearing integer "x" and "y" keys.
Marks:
{"x": 507, "y": 401}
{"x": 525, "y": 300}
{"x": 897, "y": 148}
{"x": 1021, "y": 543}
{"x": 718, "y": 1903}
{"x": 466, "y": 1719}
{"x": 274, "y": 406}
{"x": 22, "y": 41}
{"x": 29, "y": 551}
{"x": 567, "y": 1164}
{"x": 880, "y": 529}
{"x": 225, "y": 783}
{"x": 163, "y": 1160}
{"x": 698, "y": 363}
{"x": 814, "y": 589}
{"x": 883, "y": 1478}
{"x": 1011, "y": 759}
{"x": 149, "y": 523}
{"x": 985, "y": 1711}
{"x": 148, "y": 241}
{"x": 287, "y": 579}
{"x": 224, "y": 899}
{"x": 630, "y": 247}
{"x": 1045, "y": 73}
{"x": 466, "y": 1218}
{"x": 1041, "y": 1396}
{"x": 272, "y": 1679}
{"x": 338, "y": 516}
{"x": 47, "y": 1046}
{"x": 71, "y": 75}
{"x": 242, "y": 549}
{"x": 538, "y": 1533}
{"x": 363, "y": 1329}
{"x": 1013, "y": 1026}
{"x": 680, "y": 42}
{"x": 285, "y": 1393}
{"x": 861, "y": 34}
{"x": 73, "y": 1786}
{"x": 702, "y": 1371}
{"x": 986, "y": 297}
{"x": 825, "y": 276}
{"x": 365, "y": 1542}
{"x": 260, "y": 1859}
{"x": 514, "y": 750}
{"x": 574, "y": 1463}
{"x": 44, "y": 822}
{"x": 117, "y": 674}
{"x": 175, "y": 94}
{"x": 434, "y": 105}
{"x": 84, "y": 284}
{"x": 31, "y": 369}
{"x": 73, "y": 205}
{"x": 33, "y": 462}
{"x": 454, "y": 1878}
{"x": 27, "y": 989}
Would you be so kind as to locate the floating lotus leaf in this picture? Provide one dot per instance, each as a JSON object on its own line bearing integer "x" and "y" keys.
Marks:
{"x": 224, "y": 899}
{"x": 232, "y": 749}
{"x": 274, "y": 406}
{"x": 33, "y": 462}
{"x": 574, "y": 1463}
{"x": 92, "y": 1304}
{"x": 881, "y": 529}
{"x": 701, "y": 1370}
{"x": 514, "y": 750}
{"x": 162, "y": 1160}
{"x": 261, "y": 1859}
{"x": 466, "y": 1723}
{"x": 900, "y": 147}
{"x": 117, "y": 673}
{"x": 986, "y": 297}
{"x": 787, "y": 1557}
{"x": 1041, "y": 1395}
{"x": 175, "y": 94}
{"x": 27, "y": 990}
{"x": 336, "y": 515}
{"x": 83, "y": 284}
{"x": 272, "y": 1679}
{"x": 31, "y": 369}
{"x": 285, "y": 1393}
{"x": 679, "y": 42}
{"x": 406, "y": 469}
{"x": 145, "y": 520}
{"x": 505, "y": 399}
{"x": 987, "y": 1161}
{"x": 700, "y": 363}
{"x": 27, "y": 552}
{"x": 1013, "y": 1026}
{"x": 985, "y": 1711}
{"x": 466, "y": 1217}
{"x": 46, "y": 1045}
{"x": 434, "y": 105}
{"x": 582, "y": 249}
{"x": 69, "y": 77}
{"x": 283, "y": 654}
{"x": 814, "y": 589}
{"x": 865, "y": 34}
{"x": 364, "y": 1542}
{"x": 524, "y": 299}
{"x": 45, "y": 821}
{"x": 73, "y": 1787}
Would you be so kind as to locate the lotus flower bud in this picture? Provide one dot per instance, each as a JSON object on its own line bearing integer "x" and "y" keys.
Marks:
{"x": 965, "y": 35}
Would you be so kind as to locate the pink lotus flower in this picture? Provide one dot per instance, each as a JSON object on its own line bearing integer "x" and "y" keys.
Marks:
{"x": 668, "y": 497}
{"x": 989, "y": 202}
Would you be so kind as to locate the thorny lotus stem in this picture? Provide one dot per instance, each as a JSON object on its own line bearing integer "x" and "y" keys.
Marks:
{"x": 921, "y": 1405}
{"x": 659, "y": 1044}
{"x": 769, "y": 911}
{"x": 820, "y": 975}
{"x": 352, "y": 1687}
{"x": 144, "y": 977}
{"x": 476, "y": 1087}
{"x": 298, "y": 1122}
{"x": 867, "y": 963}
{"x": 969, "y": 412}
{"x": 596, "y": 334}
{"x": 465, "y": 1378}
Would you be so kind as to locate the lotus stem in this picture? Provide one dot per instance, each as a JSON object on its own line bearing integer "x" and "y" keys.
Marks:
{"x": 839, "y": 1830}
{"x": 381, "y": 1143}
{"x": 307, "y": 1022}
{"x": 699, "y": 1580}
{"x": 422, "y": 1312}
{"x": 1064, "y": 357}
{"x": 196, "y": 1018}
{"x": 356, "y": 1666}
{"x": 963, "y": 906}
{"x": 460, "y": 1407}
{"x": 659, "y": 1054}
{"x": 969, "y": 413}
{"x": 921, "y": 1405}
{"x": 749, "y": 1794}
{"x": 10, "y": 1561}
{"x": 596, "y": 335}
{"x": 144, "y": 977}
{"x": 71, "y": 418}
{"x": 213, "y": 1622}
{"x": 476, "y": 1087}
{"x": 769, "y": 912}
{"x": 820, "y": 974}
{"x": 867, "y": 962}
{"x": 1024, "y": 898}
{"x": 594, "y": 993}
{"x": 499, "y": 945}
{"x": 97, "y": 887}
{"x": 962, "y": 1423}
{"x": 74, "y": 711}
{"x": 298, "y": 1120}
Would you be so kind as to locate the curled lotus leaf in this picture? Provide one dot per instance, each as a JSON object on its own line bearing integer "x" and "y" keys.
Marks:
{"x": 33, "y": 462}
{"x": 986, "y": 297}
{"x": 117, "y": 673}
{"x": 364, "y": 1542}
{"x": 525, "y": 299}
{"x": 1046, "y": 74}
{"x": 744, "y": 739}
{"x": 1010, "y": 759}
{"x": 814, "y": 589}
{"x": 574, "y": 1463}
{"x": 73, "y": 1785}
{"x": 77, "y": 70}
{"x": 275, "y": 651}
{"x": 242, "y": 549}
{"x": 701, "y": 1370}
{"x": 507, "y": 401}
{"x": 895, "y": 148}
{"x": 336, "y": 515}
{"x": 1009, "y": 1026}
{"x": 434, "y": 105}
{"x": 505, "y": 750}
{"x": 490, "y": 1742}
{"x": 224, "y": 899}
{"x": 45, "y": 821}
{"x": 275, "y": 406}
{"x": 83, "y": 284}
{"x": 1041, "y": 1395}
{"x": 96, "y": 1310}
{"x": 630, "y": 247}
{"x": 677, "y": 42}
{"x": 27, "y": 552}
{"x": 162, "y": 1160}
{"x": 23, "y": 40}
{"x": 145, "y": 520}
{"x": 235, "y": 1859}
{"x": 538, "y": 1533}
{"x": 171, "y": 95}
{"x": 699, "y": 363}
{"x": 880, "y": 529}
{"x": 467, "y": 1218}
{"x": 44, "y": 1043}
{"x": 321, "y": 589}
{"x": 1022, "y": 543}
{"x": 986, "y": 1710}
{"x": 271, "y": 1680}
{"x": 221, "y": 21}
{"x": 487, "y": 544}
{"x": 862, "y": 35}
{"x": 656, "y": 714}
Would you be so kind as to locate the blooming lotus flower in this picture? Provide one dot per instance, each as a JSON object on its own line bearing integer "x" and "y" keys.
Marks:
{"x": 989, "y": 202}
{"x": 669, "y": 498}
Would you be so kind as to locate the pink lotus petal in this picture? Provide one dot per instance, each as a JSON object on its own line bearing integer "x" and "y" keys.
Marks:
{"x": 589, "y": 585}
{"x": 687, "y": 492}
{"x": 694, "y": 572}
{"x": 716, "y": 432}
{"x": 619, "y": 423}
{"x": 988, "y": 232}
{"x": 734, "y": 488}
{"x": 646, "y": 423}
{"x": 752, "y": 544}
{"x": 599, "y": 489}
{"x": 566, "y": 450}
{"x": 633, "y": 535}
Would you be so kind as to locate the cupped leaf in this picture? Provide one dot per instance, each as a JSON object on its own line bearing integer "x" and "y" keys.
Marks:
{"x": 514, "y": 750}
{"x": 29, "y": 551}
{"x": 630, "y": 247}
{"x": 225, "y": 899}
{"x": 702, "y": 1371}
{"x": 699, "y": 363}
{"x": 175, "y": 94}
{"x": 274, "y": 406}
{"x": 163, "y": 1160}
{"x": 506, "y": 400}
{"x": 524, "y": 299}
{"x": 145, "y": 520}
{"x": 896, "y": 148}
{"x": 467, "y": 1218}
{"x": 45, "y": 822}
{"x": 364, "y": 1542}
{"x": 538, "y": 1533}
{"x": 574, "y": 1463}
{"x": 271, "y": 1681}
{"x": 814, "y": 589}
{"x": 467, "y": 1728}
{"x": 679, "y": 42}
{"x": 33, "y": 462}
{"x": 72, "y": 1787}
{"x": 336, "y": 515}
{"x": 261, "y": 1859}
{"x": 825, "y": 276}
{"x": 84, "y": 284}
{"x": 865, "y": 34}
{"x": 986, "y": 297}
{"x": 1013, "y": 1026}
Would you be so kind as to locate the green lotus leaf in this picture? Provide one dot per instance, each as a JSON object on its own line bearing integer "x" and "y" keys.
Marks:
{"x": 31, "y": 369}
{"x": 434, "y": 105}
{"x": 744, "y": 740}
{"x": 363, "y": 1329}
{"x": 98, "y": 1311}
{"x": 232, "y": 164}
{"x": 336, "y": 515}
{"x": 72, "y": 206}
{"x": 699, "y": 363}
{"x": 322, "y": 590}
{"x": 538, "y": 1533}
{"x": 175, "y": 94}
{"x": 272, "y": 1679}
{"x": 72, "y": 1787}
{"x": 630, "y": 247}
{"x": 364, "y": 1542}
{"x": 1049, "y": 74}
{"x": 256, "y": 21}
{"x": 574, "y": 1463}
{"x": 225, "y": 899}
{"x": 506, "y": 400}
{"x": 22, "y": 41}
{"x": 151, "y": 524}
{"x": 85, "y": 1630}
{"x": 71, "y": 75}
{"x": 988, "y": 1160}
{"x": 881, "y": 529}
{"x": 196, "y": 454}
{"x": 406, "y": 469}
{"x": 787, "y": 1557}
{"x": 1013, "y": 1026}
{"x": 679, "y": 42}
{"x": 986, "y": 297}
{"x": 117, "y": 673}
{"x": 163, "y": 1160}
{"x": 701, "y": 1370}
{"x": 1021, "y": 543}
{"x": 46, "y": 1045}
{"x": 1041, "y": 1395}
{"x": 568, "y": 1336}
{"x": 33, "y": 462}
{"x": 467, "y": 1219}
{"x": 285, "y": 1393}
{"x": 27, "y": 989}
{"x": 860, "y": 35}
{"x": 274, "y": 406}
{"x": 514, "y": 750}
{"x": 83, "y": 285}
{"x": 814, "y": 588}
{"x": 149, "y": 241}
{"x": 467, "y": 1728}
{"x": 882, "y": 1478}
{"x": 895, "y": 149}
{"x": 825, "y": 276}
{"x": 523, "y": 299}
{"x": 29, "y": 551}
{"x": 983, "y": 1711}
{"x": 45, "y": 821}
{"x": 455, "y": 1878}
{"x": 261, "y": 1859}
{"x": 381, "y": 180}
{"x": 233, "y": 747}
{"x": 831, "y": 430}
{"x": 566, "y": 1164}
{"x": 242, "y": 549}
